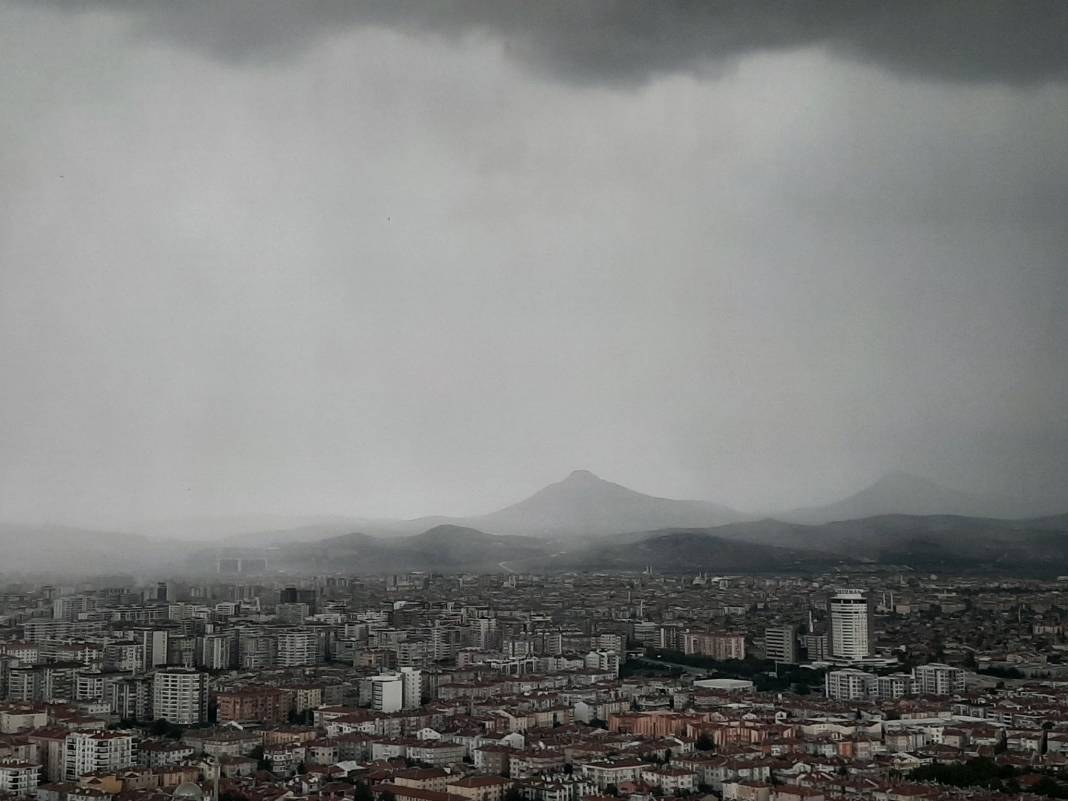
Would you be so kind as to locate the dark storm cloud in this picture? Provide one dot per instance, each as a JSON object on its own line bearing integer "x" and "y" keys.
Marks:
{"x": 628, "y": 41}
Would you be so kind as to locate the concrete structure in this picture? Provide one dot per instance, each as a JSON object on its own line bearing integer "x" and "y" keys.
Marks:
{"x": 253, "y": 705}
{"x": 780, "y": 644}
{"x": 717, "y": 646}
{"x": 480, "y": 788}
{"x": 300, "y": 647}
{"x": 896, "y": 685}
{"x": 850, "y": 684}
{"x": 387, "y": 693}
{"x": 180, "y": 696}
{"x": 725, "y": 685}
{"x": 217, "y": 652}
{"x": 938, "y": 679}
{"x": 88, "y": 752}
{"x": 850, "y": 621}
{"x": 19, "y": 778}
{"x": 412, "y": 689}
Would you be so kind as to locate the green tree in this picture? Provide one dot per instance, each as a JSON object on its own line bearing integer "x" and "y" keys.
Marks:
{"x": 363, "y": 792}
{"x": 262, "y": 763}
{"x": 161, "y": 727}
{"x": 705, "y": 743}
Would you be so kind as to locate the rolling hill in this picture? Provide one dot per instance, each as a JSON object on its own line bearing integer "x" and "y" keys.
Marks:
{"x": 442, "y": 548}
{"x": 685, "y": 551}
{"x": 926, "y": 542}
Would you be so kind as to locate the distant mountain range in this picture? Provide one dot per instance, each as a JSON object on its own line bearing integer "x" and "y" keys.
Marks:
{"x": 586, "y": 523}
{"x": 444, "y": 548}
{"x": 907, "y": 494}
{"x": 584, "y": 506}
{"x": 938, "y": 543}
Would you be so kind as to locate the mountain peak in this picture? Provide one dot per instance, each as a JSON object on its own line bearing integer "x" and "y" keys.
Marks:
{"x": 584, "y": 504}
{"x": 582, "y": 476}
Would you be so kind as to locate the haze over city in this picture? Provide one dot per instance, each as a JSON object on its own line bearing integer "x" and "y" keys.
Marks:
{"x": 401, "y": 259}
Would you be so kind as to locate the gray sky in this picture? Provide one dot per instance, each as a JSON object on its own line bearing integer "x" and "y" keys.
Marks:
{"x": 405, "y": 258}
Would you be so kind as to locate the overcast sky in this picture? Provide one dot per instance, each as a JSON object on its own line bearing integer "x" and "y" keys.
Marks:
{"x": 409, "y": 258}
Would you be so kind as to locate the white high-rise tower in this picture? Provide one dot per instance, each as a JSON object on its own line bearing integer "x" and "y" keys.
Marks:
{"x": 850, "y": 625}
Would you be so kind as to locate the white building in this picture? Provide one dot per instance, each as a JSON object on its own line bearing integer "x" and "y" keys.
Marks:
{"x": 939, "y": 679}
{"x": 607, "y": 661}
{"x": 609, "y": 642}
{"x": 155, "y": 646}
{"x": 387, "y": 693}
{"x": 850, "y": 684}
{"x": 896, "y": 685}
{"x": 19, "y": 778}
{"x": 850, "y": 622}
{"x": 412, "y": 688}
{"x": 86, "y": 752}
{"x": 217, "y": 651}
{"x": 300, "y": 647}
{"x": 180, "y": 695}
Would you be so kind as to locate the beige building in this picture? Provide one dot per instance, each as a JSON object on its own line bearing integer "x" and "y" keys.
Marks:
{"x": 480, "y": 788}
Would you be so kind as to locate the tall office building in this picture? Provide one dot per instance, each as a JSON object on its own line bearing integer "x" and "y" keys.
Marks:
{"x": 850, "y": 625}
{"x": 780, "y": 644}
{"x": 180, "y": 696}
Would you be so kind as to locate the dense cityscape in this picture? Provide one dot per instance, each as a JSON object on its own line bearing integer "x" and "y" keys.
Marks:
{"x": 533, "y": 400}
{"x": 425, "y": 687}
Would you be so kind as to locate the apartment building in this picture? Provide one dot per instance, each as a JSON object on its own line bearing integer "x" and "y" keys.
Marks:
{"x": 180, "y": 695}
{"x": 87, "y": 752}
